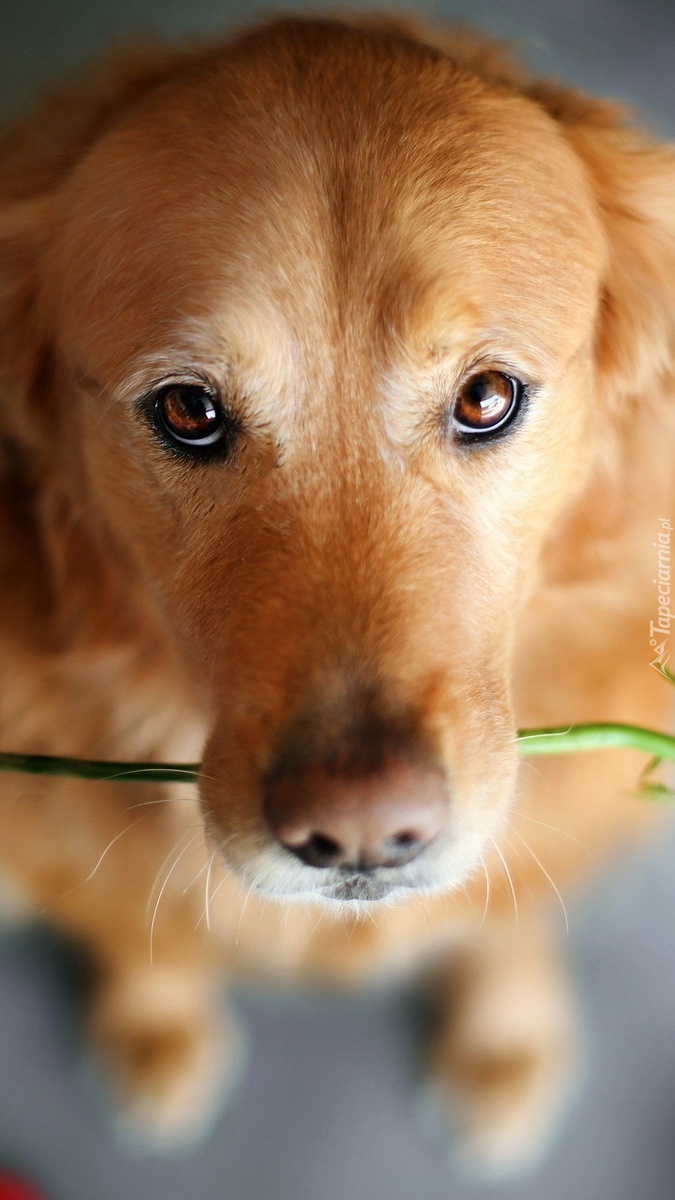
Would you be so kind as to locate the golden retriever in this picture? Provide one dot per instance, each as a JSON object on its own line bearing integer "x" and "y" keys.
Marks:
{"x": 336, "y": 437}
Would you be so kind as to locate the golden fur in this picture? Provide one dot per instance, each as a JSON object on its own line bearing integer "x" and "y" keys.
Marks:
{"x": 333, "y": 224}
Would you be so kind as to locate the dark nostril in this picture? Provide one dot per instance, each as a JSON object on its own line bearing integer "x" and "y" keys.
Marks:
{"x": 321, "y": 851}
{"x": 400, "y": 849}
{"x": 403, "y": 841}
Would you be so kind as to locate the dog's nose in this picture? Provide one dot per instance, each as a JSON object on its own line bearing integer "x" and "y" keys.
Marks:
{"x": 382, "y": 817}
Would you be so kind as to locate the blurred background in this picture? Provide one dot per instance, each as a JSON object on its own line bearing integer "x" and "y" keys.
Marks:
{"x": 330, "y": 1106}
{"x": 621, "y": 48}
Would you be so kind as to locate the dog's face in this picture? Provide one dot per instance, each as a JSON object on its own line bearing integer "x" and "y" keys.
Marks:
{"x": 326, "y": 305}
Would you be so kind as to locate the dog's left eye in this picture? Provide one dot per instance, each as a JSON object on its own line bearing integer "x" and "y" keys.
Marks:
{"x": 486, "y": 402}
{"x": 192, "y": 419}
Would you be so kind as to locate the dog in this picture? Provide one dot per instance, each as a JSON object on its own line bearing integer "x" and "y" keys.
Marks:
{"x": 337, "y": 424}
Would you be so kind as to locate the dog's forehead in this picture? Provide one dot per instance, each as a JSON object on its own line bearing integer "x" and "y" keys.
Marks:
{"x": 288, "y": 210}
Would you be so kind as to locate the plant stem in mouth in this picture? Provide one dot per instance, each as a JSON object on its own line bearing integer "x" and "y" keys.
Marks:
{"x": 569, "y": 739}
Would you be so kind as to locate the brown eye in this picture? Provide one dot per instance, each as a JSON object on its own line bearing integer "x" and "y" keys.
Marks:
{"x": 192, "y": 418}
{"x": 486, "y": 402}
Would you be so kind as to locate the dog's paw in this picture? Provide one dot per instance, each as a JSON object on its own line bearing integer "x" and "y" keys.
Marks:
{"x": 503, "y": 1106}
{"x": 169, "y": 1067}
{"x": 503, "y": 1059}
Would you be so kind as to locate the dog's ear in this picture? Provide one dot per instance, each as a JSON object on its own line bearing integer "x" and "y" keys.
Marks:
{"x": 38, "y": 153}
{"x": 633, "y": 180}
{"x": 25, "y": 231}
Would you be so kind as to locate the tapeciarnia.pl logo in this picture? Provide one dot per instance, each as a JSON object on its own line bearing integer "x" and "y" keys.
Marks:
{"x": 659, "y": 630}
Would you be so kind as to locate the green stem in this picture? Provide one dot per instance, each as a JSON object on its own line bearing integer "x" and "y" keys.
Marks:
{"x": 118, "y": 772}
{"x": 564, "y": 740}
{"x": 572, "y": 738}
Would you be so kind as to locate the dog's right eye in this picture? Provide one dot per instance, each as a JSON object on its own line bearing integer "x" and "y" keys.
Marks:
{"x": 486, "y": 404}
{"x": 190, "y": 418}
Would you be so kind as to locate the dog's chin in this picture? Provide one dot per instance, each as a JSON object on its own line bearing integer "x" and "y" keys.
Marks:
{"x": 359, "y": 889}
{"x": 348, "y": 892}
{"x": 352, "y": 891}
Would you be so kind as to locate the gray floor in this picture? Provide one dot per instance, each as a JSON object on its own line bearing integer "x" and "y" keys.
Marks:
{"x": 329, "y": 1107}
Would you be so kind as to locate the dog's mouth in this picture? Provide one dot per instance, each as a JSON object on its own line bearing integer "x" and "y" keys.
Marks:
{"x": 361, "y": 888}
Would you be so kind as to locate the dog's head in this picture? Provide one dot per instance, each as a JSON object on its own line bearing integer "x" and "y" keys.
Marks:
{"x": 322, "y": 328}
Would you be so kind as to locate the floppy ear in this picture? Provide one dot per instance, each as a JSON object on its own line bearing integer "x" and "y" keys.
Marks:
{"x": 37, "y": 154}
{"x": 25, "y": 230}
{"x": 633, "y": 180}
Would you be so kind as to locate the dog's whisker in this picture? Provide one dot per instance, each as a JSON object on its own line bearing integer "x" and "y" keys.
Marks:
{"x": 165, "y": 860}
{"x": 314, "y": 928}
{"x": 208, "y": 867}
{"x": 160, "y": 800}
{"x": 207, "y": 885}
{"x": 420, "y": 905}
{"x": 101, "y": 858}
{"x": 514, "y": 850}
{"x": 467, "y": 896}
{"x": 209, "y": 778}
{"x": 554, "y": 829}
{"x": 193, "y": 881}
{"x": 487, "y": 892}
{"x": 372, "y": 914}
{"x": 213, "y": 897}
{"x": 163, "y": 888}
{"x": 550, "y": 880}
{"x": 218, "y": 887}
{"x": 509, "y": 878}
{"x": 241, "y": 914}
{"x": 525, "y": 762}
{"x": 351, "y": 922}
{"x": 108, "y": 848}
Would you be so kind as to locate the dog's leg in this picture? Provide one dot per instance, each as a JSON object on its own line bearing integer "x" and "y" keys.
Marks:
{"x": 168, "y": 1050}
{"x": 504, "y": 1053}
{"x": 123, "y": 873}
